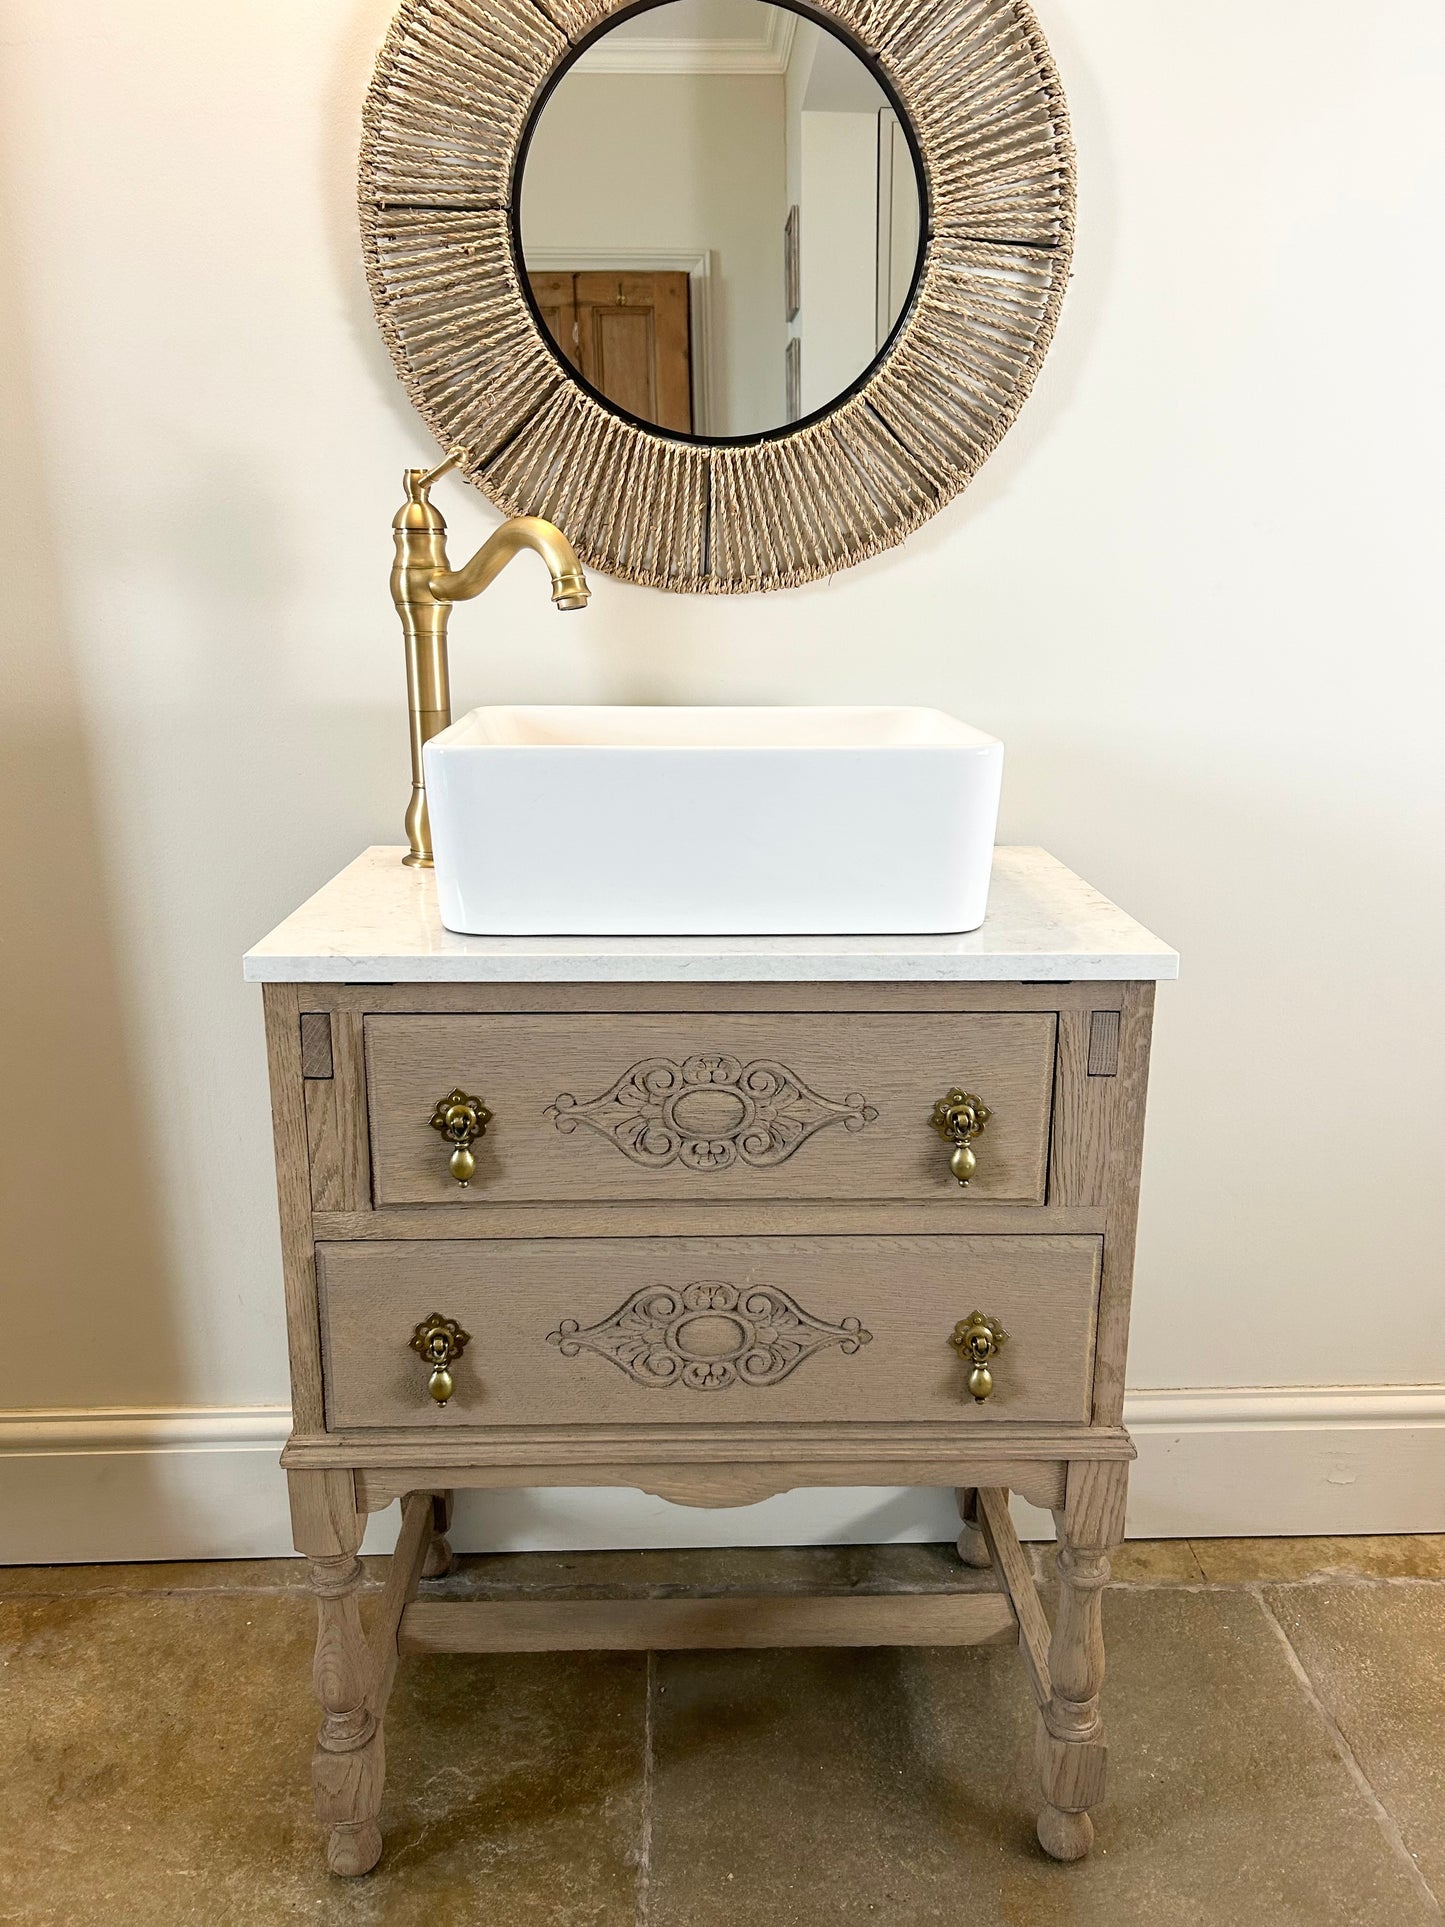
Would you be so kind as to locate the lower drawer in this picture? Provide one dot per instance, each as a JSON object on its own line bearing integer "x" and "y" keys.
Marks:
{"x": 659, "y": 1331}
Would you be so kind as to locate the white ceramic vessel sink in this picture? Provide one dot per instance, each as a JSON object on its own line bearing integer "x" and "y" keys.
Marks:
{"x": 712, "y": 822}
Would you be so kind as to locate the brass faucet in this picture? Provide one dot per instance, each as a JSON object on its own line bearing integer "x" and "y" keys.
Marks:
{"x": 424, "y": 586}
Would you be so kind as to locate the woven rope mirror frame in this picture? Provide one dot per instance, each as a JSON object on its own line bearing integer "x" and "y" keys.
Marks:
{"x": 455, "y": 85}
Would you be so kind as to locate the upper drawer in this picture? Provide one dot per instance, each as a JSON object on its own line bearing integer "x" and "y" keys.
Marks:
{"x": 613, "y": 1107}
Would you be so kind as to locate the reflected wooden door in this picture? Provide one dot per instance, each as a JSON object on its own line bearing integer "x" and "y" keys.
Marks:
{"x": 627, "y": 333}
{"x": 556, "y": 298}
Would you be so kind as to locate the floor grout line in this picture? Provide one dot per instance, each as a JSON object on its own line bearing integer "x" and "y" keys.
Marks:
{"x": 1307, "y": 1582}
{"x": 364, "y": 1591}
{"x": 1384, "y": 1819}
{"x": 644, "y": 1841}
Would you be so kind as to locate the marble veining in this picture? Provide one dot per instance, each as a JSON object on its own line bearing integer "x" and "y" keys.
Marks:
{"x": 377, "y": 922}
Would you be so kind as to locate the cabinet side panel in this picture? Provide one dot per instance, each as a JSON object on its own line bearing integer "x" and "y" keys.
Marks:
{"x": 1121, "y": 1198}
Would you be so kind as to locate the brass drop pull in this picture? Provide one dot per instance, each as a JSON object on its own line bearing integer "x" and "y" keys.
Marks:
{"x": 439, "y": 1341}
{"x": 958, "y": 1118}
{"x": 461, "y": 1120}
{"x": 977, "y": 1339}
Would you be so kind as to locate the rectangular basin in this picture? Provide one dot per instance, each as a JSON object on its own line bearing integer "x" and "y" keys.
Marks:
{"x": 613, "y": 821}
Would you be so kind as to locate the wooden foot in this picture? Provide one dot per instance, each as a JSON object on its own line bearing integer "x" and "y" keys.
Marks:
{"x": 439, "y": 1558}
{"x": 439, "y": 1555}
{"x": 349, "y": 1765}
{"x": 352, "y": 1846}
{"x": 1072, "y": 1757}
{"x": 972, "y": 1546}
{"x": 1065, "y": 1836}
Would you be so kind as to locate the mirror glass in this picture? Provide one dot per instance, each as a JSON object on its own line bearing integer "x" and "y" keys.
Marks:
{"x": 719, "y": 217}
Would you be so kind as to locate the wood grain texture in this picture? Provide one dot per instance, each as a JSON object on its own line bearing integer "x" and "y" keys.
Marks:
{"x": 1072, "y": 1756}
{"x": 646, "y": 1625}
{"x": 315, "y": 1043}
{"x": 683, "y": 999}
{"x": 293, "y": 1197}
{"x": 608, "y": 1108}
{"x": 1095, "y": 1502}
{"x": 1103, "y": 1043}
{"x": 325, "y": 1518}
{"x": 720, "y": 1483}
{"x": 633, "y": 342}
{"x": 841, "y": 1440}
{"x": 1083, "y": 1117}
{"x": 336, "y": 1122}
{"x": 971, "y": 1545}
{"x": 798, "y": 1218}
{"x": 1016, "y": 1577}
{"x": 1126, "y": 1153}
{"x": 403, "y": 1575}
{"x": 519, "y": 1301}
{"x": 1042, "y": 1485}
{"x": 440, "y": 1558}
{"x": 1001, "y": 1443}
{"x": 348, "y": 1766}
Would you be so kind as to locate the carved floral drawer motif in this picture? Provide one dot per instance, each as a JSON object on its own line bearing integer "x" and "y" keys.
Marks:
{"x": 708, "y": 1112}
{"x": 709, "y": 1336}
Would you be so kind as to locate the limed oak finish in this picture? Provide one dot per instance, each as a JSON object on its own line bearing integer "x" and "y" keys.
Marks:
{"x": 710, "y": 1245}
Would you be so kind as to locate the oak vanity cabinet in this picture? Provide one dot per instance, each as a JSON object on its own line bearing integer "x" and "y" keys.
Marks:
{"x": 598, "y": 1213}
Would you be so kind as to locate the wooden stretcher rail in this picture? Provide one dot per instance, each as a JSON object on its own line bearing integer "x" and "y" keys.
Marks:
{"x": 647, "y": 1625}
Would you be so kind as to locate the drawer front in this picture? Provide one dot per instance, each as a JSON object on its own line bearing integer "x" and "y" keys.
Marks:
{"x": 663, "y": 1331}
{"x": 621, "y": 1108}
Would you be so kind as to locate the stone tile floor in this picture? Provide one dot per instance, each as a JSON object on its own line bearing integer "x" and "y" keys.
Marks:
{"x": 1276, "y": 1713}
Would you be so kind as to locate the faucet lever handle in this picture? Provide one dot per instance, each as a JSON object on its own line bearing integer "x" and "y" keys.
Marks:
{"x": 455, "y": 456}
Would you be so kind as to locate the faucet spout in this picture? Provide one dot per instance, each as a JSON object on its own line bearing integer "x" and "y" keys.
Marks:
{"x": 424, "y": 587}
{"x": 569, "y": 584}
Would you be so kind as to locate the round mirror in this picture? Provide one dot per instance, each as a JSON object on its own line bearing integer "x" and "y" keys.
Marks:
{"x": 718, "y": 217}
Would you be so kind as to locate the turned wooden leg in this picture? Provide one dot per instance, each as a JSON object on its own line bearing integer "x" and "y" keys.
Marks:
{"x": 972, "y": 1546}
{"x": 1072, "y": 1756}
{"x": 349, "y": 1765}
{"x": 439, "y": 1556}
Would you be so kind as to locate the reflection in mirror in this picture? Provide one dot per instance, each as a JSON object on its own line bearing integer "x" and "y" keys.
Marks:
{"x": 719, "y": 217}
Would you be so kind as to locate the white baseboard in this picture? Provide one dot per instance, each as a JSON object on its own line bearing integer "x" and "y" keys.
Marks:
{"x": 83, "y": 1486}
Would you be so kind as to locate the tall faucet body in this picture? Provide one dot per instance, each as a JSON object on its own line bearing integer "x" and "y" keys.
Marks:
{"x": 424, "y": 586}
{"x": 421, "y": 552}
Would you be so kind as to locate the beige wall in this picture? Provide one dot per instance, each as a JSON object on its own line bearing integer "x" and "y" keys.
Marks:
{"x": 683, "y": 161}
{"x": 1196, "y": 591}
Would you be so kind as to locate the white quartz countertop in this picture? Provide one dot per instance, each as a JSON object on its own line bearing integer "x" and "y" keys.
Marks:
{"x": 377, "y": 923}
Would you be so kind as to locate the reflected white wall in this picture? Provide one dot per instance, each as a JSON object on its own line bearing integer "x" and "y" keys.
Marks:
{"x": 838, "y": 251}
{"x": 687, "y": 162}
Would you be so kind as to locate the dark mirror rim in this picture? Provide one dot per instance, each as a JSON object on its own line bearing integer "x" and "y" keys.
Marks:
{"x": 514, "y": 231}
